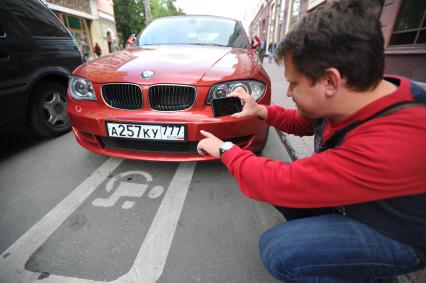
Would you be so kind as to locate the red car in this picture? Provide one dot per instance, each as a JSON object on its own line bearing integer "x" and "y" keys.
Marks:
{"x": 150, "y": 102}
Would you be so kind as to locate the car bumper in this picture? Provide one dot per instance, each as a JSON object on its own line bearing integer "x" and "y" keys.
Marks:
{"x": 88, "y": 122}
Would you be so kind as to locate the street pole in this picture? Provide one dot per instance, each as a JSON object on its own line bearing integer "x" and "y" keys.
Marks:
{"x": 148, "y": 16}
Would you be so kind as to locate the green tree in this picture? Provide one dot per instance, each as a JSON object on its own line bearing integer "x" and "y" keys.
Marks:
{"x": 163, "y": 8}
{"x": 130, "y": 18}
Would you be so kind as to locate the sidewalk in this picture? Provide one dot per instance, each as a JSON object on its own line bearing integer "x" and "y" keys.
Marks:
{"x": 297, "y": 147}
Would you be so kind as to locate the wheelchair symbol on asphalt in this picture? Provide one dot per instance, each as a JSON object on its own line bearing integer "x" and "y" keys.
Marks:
{"x": 127, "y": 189}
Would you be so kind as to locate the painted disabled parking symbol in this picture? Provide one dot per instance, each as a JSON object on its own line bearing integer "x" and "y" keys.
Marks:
{"x": 127, "y": 189}
{"x": 152, "y": 254}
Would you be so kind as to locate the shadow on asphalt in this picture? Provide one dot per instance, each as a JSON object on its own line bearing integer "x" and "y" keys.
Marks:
{"x": 17, "y": 140}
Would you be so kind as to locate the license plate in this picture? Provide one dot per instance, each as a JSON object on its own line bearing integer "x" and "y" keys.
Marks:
{"x": 147, "y": 131}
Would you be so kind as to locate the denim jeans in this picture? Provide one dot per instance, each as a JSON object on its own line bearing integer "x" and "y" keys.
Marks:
{"x": 333, "y": 248}
{"x": 270, "y": 56}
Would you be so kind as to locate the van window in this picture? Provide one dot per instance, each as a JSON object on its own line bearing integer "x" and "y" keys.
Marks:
{"x": 37, "y": 18}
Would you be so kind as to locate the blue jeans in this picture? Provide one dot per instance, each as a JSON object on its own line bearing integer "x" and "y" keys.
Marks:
{"x": 333, "y": 248}
{"x": 271, "y": 56}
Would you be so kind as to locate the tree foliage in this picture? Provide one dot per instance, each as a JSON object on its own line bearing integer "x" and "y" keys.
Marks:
{"x": 163, "y": 8}
{"x": 130, "y": 15}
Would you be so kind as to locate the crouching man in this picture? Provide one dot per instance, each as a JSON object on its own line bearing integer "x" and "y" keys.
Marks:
{"x": 356, "y": 209}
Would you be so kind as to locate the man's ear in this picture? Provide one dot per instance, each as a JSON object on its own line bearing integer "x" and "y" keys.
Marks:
{"x": 332, "y": 80}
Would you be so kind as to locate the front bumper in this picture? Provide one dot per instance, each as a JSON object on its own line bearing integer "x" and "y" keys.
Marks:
{"x": 88, "y": 124}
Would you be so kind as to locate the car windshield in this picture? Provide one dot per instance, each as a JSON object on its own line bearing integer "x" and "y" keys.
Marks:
{"x": 194, "y": 30}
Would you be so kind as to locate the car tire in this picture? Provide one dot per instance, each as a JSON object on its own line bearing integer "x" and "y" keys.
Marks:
{"x": 47, "y": 115}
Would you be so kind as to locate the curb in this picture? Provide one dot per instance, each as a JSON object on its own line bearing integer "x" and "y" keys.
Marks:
{"x": 295, "y": 146}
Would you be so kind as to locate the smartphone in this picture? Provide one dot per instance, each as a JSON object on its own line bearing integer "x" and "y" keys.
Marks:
{"x": 226, "y": 106}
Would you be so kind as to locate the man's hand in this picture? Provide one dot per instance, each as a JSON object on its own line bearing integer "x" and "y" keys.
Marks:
{"x": 251, "y": 108}
{"x": 209, "y": 145}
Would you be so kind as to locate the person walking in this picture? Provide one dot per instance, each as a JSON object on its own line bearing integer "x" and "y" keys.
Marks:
{"x": 109, "y": 42}
{"x": 355, "y": 209}
{"x": 261, "y": 50}
{"x": 271, "y": 51}
{"x": 254, "y": 43}
{"x": 84, "y": 49}
{"x": 97, "y": 50}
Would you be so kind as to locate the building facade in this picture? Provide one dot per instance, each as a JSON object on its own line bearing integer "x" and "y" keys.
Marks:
{"x": 260, "y": 25}
{"x": 273, "y": 19}
{"x": 404, "y": 30}
{"x": 90, "y": 20}
{"x": 403, "y": 26}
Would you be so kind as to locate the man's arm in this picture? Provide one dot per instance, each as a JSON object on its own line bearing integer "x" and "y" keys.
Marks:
{"x": 289, "y": 121}
{"x": 371, "y": 164}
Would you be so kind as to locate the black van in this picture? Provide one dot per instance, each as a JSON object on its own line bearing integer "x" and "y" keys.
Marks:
{"x": 37, "y": 55}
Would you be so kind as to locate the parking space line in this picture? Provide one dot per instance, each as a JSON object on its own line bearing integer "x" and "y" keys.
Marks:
{"x": 151, "y": 258}
{"x": 12, "y": 261}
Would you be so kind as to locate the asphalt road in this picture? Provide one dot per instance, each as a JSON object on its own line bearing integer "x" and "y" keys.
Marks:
{"x": 67, "y": 214}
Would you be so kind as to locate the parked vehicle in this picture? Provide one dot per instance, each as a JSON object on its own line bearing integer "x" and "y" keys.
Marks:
{"x": 151, "y": 100}
{"x": 37, "y": 55}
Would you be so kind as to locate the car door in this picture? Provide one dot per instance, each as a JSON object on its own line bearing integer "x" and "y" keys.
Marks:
{"x": 13, "y": 78}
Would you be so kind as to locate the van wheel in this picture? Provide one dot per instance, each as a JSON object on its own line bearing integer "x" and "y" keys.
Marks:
{"x": 48, "y": 110}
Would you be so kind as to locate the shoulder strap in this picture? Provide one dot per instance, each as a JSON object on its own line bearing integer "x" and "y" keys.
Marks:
{"x": 337, "y": 138}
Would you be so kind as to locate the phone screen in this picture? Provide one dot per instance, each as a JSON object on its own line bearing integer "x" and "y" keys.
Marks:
{"x": 226, "y": 106}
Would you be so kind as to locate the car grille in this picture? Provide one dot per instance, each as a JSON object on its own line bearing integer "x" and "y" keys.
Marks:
{"x": 123, "y": 96}
{"x": 158, "y": 146}
{"x": 171, "y": 97}
{"x": 149, "y": 146}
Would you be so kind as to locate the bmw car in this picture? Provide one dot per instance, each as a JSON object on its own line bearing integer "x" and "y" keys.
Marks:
{"x": 150, "y": 101}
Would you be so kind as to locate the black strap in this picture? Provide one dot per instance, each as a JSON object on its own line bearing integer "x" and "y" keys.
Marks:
{"x": 338, "y": 137}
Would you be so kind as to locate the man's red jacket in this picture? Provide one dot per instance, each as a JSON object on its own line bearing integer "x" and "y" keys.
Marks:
{"x": 380, "y": 159}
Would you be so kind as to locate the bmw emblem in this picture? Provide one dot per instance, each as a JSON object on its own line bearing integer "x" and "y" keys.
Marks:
{"x": 147, "y": 74}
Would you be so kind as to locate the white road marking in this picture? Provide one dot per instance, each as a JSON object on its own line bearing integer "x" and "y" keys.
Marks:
{"x": 149, "y": 262}
{"x": 151, "y": 258}
{"x": 124, "y": 189}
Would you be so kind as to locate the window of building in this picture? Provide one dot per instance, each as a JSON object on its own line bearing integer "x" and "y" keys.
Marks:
{"x": 78, "y": 27}
{"x": 410, "y": 26}
{"x": 295, "y": 10}
{"x": 74, "y": 22}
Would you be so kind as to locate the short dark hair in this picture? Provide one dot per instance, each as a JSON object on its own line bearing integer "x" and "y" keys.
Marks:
{"x": 343, "y": 34}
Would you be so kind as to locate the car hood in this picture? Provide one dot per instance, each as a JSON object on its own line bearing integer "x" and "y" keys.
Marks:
{"x": 183, "y": 64}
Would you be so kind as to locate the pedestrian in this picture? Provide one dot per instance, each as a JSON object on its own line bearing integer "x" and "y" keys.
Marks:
{"x": 130, "y": 41}
{"x": 84, "y": 49}
{"x": 261, "y": 50}
{"x": 109, "y": 41}
{"x": 254, "y": 43}
{"x": 115, "y": 47}
{"x": 97, "y": 50}
{"x": 271, "y": 51}
{"x": 355, "y": 209}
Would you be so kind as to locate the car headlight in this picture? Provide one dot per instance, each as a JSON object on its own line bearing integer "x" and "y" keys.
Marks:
{"x": 255, "y": 88}
{"x": 81, "y": 89}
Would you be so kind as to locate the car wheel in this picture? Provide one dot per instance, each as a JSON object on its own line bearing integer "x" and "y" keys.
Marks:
{"x": 47, "y": 110}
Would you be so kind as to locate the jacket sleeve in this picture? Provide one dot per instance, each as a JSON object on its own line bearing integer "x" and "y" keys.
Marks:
{"x": 370, "y": 165}
{"x": 289, "y": 121}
